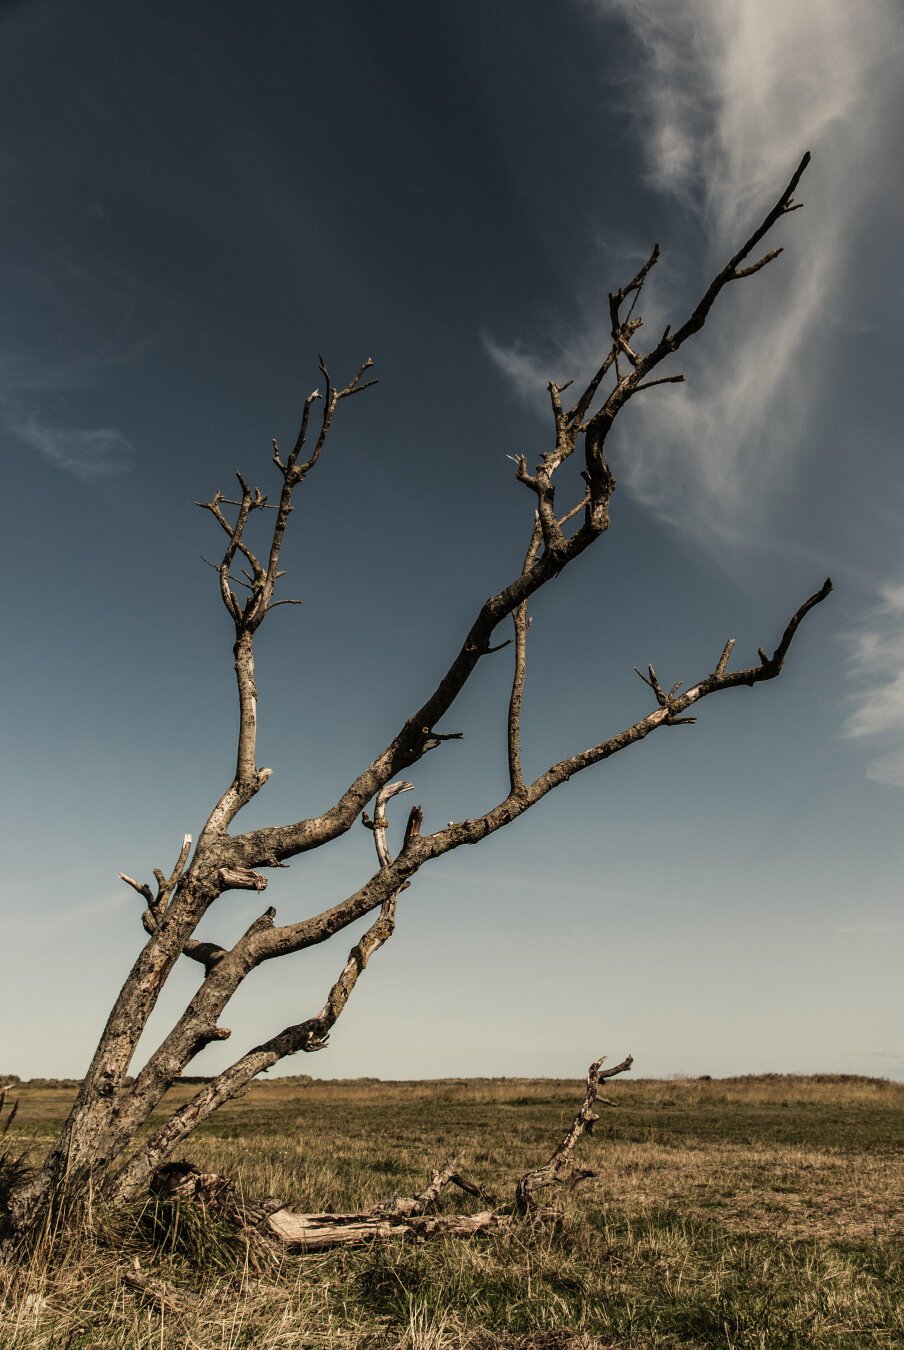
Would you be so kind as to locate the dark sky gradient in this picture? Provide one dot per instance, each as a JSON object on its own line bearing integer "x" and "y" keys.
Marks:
{"x": 200, "y": 198}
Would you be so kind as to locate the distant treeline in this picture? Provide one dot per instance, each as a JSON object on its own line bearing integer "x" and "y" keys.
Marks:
{"x": 304, "y": 1080}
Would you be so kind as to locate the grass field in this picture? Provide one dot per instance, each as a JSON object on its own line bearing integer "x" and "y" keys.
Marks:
{"x": 748, "y": 1213}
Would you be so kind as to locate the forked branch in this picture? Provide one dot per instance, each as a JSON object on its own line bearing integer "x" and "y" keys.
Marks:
{"x": 424, "y": 848}
{"x": 522, "y": 624}
{"x": 308, "y": 1036}
{"x": 158, "y": 902}
{"x": 556, "y": 1171}
{"x": 271, "y": 845}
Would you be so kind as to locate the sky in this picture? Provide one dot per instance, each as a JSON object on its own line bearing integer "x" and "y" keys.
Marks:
{"x": 200, "y": 198}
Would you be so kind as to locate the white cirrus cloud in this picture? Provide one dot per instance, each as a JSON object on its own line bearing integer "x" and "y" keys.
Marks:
{"x": 878, "y": 661}
{"x": 70, "y": 324}
{"x": 725, "y": 95}
{"x": 86, "y": 454}
{"x": 28, "y": 391}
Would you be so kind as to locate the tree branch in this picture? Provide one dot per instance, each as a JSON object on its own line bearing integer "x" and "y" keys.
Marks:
{"x": 521, "y": 622}
{"x": 158, "y": 903}
{"x": 186, "y": 1039}
{"x": 320, "y": 927}
{"x": 668, "y": 713}
{"x": 261, "y": 583}
{"x": 600, "y": 424}
{"x": 403, "y": 1216}
{"x": 554, "y": 1172}
{"x": 521, "y": 625}
{"x": 317, "y": 929}
{"x": 271, "y": 845}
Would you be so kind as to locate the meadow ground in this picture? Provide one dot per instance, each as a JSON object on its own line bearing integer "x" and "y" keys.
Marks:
{"x": 751, "y": 1213}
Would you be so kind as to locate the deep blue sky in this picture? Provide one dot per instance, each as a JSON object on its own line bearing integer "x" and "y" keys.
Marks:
{"x": 201, "y": 197}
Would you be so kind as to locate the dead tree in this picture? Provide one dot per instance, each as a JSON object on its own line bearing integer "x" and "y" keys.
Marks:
{"x": 102, "y": 1143}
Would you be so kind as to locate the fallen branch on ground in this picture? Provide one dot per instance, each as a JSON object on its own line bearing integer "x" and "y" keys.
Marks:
{"x": 405, "y": 1216}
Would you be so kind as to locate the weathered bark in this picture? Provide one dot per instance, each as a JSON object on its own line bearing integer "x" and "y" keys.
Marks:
{"x": 317, "y": 1232}
{"x": 99, "y": 1144}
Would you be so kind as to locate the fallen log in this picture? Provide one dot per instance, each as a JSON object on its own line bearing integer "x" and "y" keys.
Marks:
{"x": 316, "y": 1232}
{"x": 402, "y": 1217}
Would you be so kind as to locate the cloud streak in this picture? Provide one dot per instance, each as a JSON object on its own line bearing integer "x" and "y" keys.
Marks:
{"x": 726, "y": 97}
{"x": 85, "y": 454}
{"x": 26, "y": 387}
{"x": 878, "y": 661}
{"x": 69, "y": 325}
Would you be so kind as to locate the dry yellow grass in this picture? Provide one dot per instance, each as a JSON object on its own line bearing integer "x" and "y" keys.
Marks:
{"x": 745, "y": 1213}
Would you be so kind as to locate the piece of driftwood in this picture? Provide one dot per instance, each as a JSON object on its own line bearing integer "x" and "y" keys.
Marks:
{"x": 317, "y": 1232}
{"x": 404, "y": 1216}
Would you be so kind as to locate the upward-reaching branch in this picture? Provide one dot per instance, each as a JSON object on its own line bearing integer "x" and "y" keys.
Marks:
{"x": 261, "y": 584}
{"x": 555, "y": 1170}
{"x": 521, "y": 622}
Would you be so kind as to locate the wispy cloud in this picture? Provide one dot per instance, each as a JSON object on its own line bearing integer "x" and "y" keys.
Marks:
{"x": 69, "y": 325}
{"x": 878, "y": 716}
{"x": 726, "y": 97}
{"x": 84, "y": 454}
